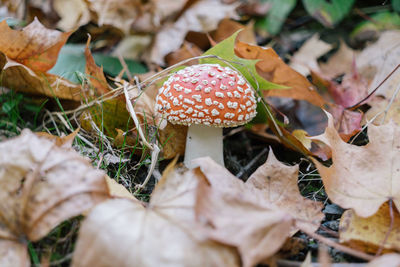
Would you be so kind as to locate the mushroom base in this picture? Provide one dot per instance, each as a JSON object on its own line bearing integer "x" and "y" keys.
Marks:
{"x": 203, "y": 141}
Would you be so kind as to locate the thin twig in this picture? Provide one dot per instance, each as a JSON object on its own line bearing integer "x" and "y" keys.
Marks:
{"x": 355, "y": 106}
{"x": 335, "y": 245}
{"x": 379, "y": 252}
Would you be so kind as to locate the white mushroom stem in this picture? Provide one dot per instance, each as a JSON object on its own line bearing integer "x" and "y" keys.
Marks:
{"x": 202, "y": 141}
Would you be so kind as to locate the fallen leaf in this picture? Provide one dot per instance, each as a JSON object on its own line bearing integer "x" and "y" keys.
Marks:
{"x": 339, "y": 63}
{"x": 362, "y": 177}
{"x": 188, "y": 50}
{"x": 117, "y": 190}
{"x": 227, "y": 27}
{"x": 197, "y": 18}
{"x": 378, "y": 60}
{"x": 94, "y": 73}
{"x": 383, "y": 110}
{"x": 73, "y": 13}
{"x": 35, "y": 46}
{"x": 346, "y": 122}
{"x": 119, "y": 14}
{"x": 272, "y": 68}
{"x": 42, "y": 185}
{"x": 368, "y": 234}
{"x": 60, "y": 141}
{"x": 254, "y": 216}
{"x": 388, "y": 260}
{"x": 173, "y": 140}
{"x": 167, "y": 227}
{"x": 110, "y": 114}
{"x": 27, "y": 55}
{"x": 302, "y": 136}
{"x": 278, "y": 184}
{"x": 305, "y": 59}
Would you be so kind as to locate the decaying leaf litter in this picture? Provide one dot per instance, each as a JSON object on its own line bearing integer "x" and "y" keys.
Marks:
{"x": 327, "y": 108}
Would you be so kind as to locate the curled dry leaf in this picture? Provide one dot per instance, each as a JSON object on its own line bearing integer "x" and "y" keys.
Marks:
{"x": 363, "y": 177}
{"x": 27, "y": 55}
{"x": 272, "y": 68}
{"x": 368, "y": 234}
{"x": 110, "y": 114}
{"x": 125, "y": 233}
{"x": 42, "y": 185}
{"x": 256, "y": 216}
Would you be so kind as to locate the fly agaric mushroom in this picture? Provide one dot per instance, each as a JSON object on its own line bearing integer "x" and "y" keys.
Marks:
{"x": 206, "y": 97}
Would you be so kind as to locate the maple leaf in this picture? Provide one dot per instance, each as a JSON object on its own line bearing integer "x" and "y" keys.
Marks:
{"x": 362, "y": 178}
{"x": 271, "y": 67}
{"x": 42, "y": 184}
{"x": 27, "y": 55}
{"x": 256, "y": 216}
{"x": 167, "y": 227}
{"x": 278, "y": 183}
{"x": 369, "y": 234}
{"x": 305, "y": 59}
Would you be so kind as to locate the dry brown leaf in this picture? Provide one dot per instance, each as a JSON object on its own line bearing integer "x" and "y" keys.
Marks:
{"x": 339, "y": 63}
{"x": 95, "y": 73}
{"x": 368, "y": 234}
{"x": 42, "y": 185}
{"x": 302, "y": 136}
{"x": 363, "y": 177}
{"x": 117, "y": 190}
{"x": 383, "y": 110}
{"x": 117, "y": 13}
{"x": 15, "y": 8}
{"x": 173, "y": 140}
{"x": 278, "y": 184}
{"x": 238, "y": 214}
{"x": 188, "y": 50}
{"x": 378, "y": 60}
{"x": 110, "y": 114}
{"x": 34, "y": 46}
{"x": 163, "y": 234}
{"x": 72, "y": 13}
{"x": 305, "y": 59}
{"x": 274, "y": 69}
{"x": 197, "y": 18}
{"x": 60, "y": 141}
{"x": 27, "y": 55}
{"x": 388, "y": 260}
{"x": 227, "y": 27}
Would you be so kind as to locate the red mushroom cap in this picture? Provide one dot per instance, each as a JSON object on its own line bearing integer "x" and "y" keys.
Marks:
{"x": 207, "y": 94}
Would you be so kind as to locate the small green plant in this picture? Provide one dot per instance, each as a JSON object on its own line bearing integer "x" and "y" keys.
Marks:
{"x": 18, "y": 111}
